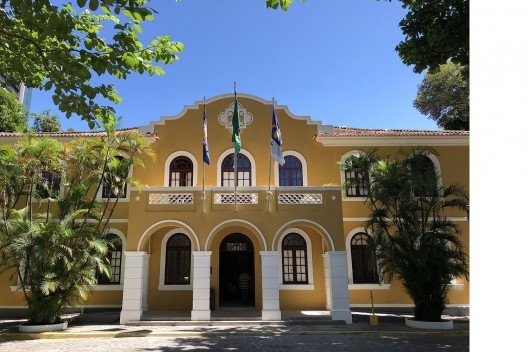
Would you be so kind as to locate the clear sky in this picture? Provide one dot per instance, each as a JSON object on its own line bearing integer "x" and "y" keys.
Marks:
{"x": 332, "y": 60}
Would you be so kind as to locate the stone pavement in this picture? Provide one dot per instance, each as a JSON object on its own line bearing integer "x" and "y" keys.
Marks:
{"x": 106, "y": 325}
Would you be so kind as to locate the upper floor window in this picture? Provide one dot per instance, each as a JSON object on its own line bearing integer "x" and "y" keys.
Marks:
{"x": 356, "y": 185}
{"x": 114, "y": 258}
{"x": 50, "y": 186}
{"x": 178, "y": 260}
{"x": 181, "y": 172}
{"x": 364, "y": 266}
{"x": 425, "y": 178}
{"x": 291, "y": 173}
{"x": 294, "y": 259}
{"x": 115, "y": 181}
{"x": 243, "y": 169}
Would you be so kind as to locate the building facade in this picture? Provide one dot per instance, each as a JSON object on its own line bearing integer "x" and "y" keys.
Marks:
{"x": 189, "y": 232}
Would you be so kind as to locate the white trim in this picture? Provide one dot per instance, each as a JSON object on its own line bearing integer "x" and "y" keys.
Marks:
{"x": 161, "y": 280}
{"x": 304, "y": 166}
{"x": 254, "y": 228}
{"x": 232, "y": 151}
{"x": 170, "y": 158}
{"x": 107, "y": 287}
{"x": 99, "y": 197}
{"x": 309, "y": 263}
{"x": 176, "y": 223}
{"x": 274, "y": 243}
{"x": 357, "y": 287}
{"x": 199, "y": 103}
{"x": 436, "y": 164}
{"x": 345, "y": 198}
{"x": 122, "y": 237}
{"x": 356, "y": 219}
{"x": 350, "y": 270}
{"x": 286, "y": 287}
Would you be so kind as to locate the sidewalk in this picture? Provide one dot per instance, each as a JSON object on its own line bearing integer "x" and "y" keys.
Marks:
{"x": 106, "y": 324}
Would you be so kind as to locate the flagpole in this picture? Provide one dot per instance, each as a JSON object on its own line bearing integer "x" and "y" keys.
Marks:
{"x": 235, "y": 160}
{"x": 203, "y": 176}
{"x": 269, "y": 168}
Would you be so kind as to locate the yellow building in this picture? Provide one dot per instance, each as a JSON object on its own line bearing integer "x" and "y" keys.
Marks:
{"x": 187, "y": 238}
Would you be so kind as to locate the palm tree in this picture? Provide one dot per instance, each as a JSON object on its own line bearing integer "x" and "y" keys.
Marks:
{"x": 415, "y": 240}
{"x": 55, "y": 243}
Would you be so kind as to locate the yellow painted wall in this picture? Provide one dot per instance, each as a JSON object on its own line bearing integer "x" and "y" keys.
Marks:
{"x": 144, "y": 224}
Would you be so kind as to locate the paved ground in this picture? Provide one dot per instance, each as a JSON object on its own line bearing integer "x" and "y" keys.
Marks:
{"x": 102, "y": 332}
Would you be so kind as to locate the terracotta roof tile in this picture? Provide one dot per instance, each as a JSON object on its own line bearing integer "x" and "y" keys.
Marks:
{"x": 342, "y": 131}
{"x": 66, "y": 133}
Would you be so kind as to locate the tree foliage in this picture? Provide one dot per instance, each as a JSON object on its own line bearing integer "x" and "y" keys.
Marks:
{"x": 13, "y": 118}
{"x": 443, "y": 96}
{"x": 415, "y": 239}
{"x": 46, "y": 122}
{"x": 63, "y": 48}
{"x": 53, "y": 227}
{"x": 435, "y": 32}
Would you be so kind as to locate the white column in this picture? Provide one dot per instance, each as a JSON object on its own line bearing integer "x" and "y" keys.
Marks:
{"x": 336, "y": 285}
{"x": 146, "y": 261}
{"x": 134, "y": 286}
{"x": 201, "y": 285}
{"x": 270, "y": 285}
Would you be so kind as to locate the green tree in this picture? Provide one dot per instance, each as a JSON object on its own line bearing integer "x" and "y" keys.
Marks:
{"x": 435, "y": 32}
{"x": 46, "y": 122}
{"x": 53, "y": 236}
{"x": 415, "y": 239}
{"x": 12, "y": 115}
{"x": 443, "y": 96}
{"x": 64, "y": 47}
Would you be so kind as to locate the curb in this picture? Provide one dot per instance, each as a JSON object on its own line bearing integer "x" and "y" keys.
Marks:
{"x": 14, "y": 336}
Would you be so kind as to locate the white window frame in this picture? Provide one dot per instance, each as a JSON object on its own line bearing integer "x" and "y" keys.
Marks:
{"x": 351, "y": 284}
{"x": 126, "y": 198}
{"x": 161, "y": 280}
{"x": 303, "y": 164}
{"x": 310, "y": 285}
{"x": 171, "y": 158}
{"x": 232, "y": 151}
{"x": 346, "y": 198}
{"x": 115, "y": 287}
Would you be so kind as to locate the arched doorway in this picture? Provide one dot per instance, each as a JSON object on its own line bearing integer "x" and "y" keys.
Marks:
{"x": 236, "y": 256}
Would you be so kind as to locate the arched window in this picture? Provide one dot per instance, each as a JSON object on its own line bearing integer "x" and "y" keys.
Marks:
{"x": 291, "y": 173}
{"x": 425, "y": 178}
{"x": 294, "y": 259}
{"x": 355, "y": 181}
{"x": 364, "y": 267}
{"x": 116, "y": 173}
{"x": 243, "y": 171}
{"x": 114, "y": 258}
{"x": 178, "y": 260}
{"x": 51, "y": 184}
{"x": 181, "y": 172}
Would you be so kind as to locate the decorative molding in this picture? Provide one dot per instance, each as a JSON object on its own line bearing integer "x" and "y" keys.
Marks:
{"x": 226, "y": 117}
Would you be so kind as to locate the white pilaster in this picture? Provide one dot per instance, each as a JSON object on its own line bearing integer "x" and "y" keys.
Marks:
{"x": 336, "y": 285}
{"x": 270, "y": 285}
{"x": 201, "y": 285}
{"x": 134, "y": 286}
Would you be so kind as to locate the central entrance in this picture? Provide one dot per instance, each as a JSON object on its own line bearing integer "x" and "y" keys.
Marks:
{"x": 237, "y": 272}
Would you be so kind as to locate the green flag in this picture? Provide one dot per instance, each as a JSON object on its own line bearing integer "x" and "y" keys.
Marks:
{"x": 236, "y": 128}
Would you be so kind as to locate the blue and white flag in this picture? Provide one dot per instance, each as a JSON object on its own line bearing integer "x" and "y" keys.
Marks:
{"x": 276, "y": 140}
{"x": 205, "y": 143}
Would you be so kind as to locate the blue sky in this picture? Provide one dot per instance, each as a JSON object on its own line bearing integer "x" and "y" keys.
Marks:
{"x": 331, "y": 60}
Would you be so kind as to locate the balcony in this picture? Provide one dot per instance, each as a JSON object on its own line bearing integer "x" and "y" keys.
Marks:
{"x": 213, "y": 199}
